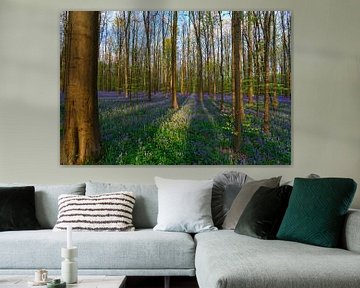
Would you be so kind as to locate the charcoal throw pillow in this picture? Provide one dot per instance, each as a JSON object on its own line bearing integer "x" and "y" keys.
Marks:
{"x": 17, "y": 209}
{"x": 316, "y": 211}
{"x": 46, "y": 199}
{"x": 105, "y": 212}
{"x": 184, "y": 205}
{"x": 263, "y": 215}
{"x": 243, "y": 198}
{"x": 225, "y": 189}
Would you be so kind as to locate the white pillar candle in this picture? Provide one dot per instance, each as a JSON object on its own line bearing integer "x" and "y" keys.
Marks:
{"x": 69, "y": 237}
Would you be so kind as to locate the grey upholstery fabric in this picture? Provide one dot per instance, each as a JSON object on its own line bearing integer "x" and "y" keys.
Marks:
{"x": 138, "y": 250}
{"x": 351, "y": 233}
{"x": 225, "y": 259}
{"x": 46, "y": 200}
{"x": 146, "y": 204}
{"x": 108, "y": 272}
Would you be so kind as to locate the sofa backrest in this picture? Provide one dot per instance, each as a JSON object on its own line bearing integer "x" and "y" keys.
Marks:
{"x": 146, "y": 203}
{"x": 46, "y": 200}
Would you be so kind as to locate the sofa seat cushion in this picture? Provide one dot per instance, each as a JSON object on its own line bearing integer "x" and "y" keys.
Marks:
{"x": 225, "y": 259}
{"x": 142, "y": 249}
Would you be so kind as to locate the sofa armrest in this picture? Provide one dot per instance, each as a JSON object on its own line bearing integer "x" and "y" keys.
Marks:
{"x": 351, "y": 234}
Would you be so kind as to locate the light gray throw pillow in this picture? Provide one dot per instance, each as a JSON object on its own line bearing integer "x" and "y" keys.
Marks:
{"x": 243, "y": 198}
{"x": 184, "y": 205}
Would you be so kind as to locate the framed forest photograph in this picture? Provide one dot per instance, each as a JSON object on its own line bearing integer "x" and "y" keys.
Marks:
{"x": 175, "y": 87}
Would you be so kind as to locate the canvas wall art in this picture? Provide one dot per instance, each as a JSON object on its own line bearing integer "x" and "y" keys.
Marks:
{"x": 175, "y": 87}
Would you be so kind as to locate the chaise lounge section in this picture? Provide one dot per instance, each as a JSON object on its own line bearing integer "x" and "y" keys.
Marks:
{"x": 225, "y": 259}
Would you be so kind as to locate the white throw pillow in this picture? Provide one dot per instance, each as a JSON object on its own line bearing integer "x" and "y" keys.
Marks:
{"x": 105, "y": 212}
{"x": 184, "y": 205}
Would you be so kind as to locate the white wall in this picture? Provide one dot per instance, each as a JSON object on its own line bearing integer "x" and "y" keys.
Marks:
{"x": 326, "y": 91}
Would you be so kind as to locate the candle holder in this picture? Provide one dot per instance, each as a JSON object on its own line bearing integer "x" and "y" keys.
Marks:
{"x": 69, "y": 271}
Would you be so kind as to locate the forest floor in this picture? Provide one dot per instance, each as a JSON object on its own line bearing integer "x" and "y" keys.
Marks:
{"x": 142, "y": 132}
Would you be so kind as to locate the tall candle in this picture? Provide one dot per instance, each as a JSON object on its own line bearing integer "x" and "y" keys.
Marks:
{"x": 69, "y": 237}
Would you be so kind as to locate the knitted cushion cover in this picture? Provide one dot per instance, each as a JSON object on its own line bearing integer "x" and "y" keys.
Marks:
{"x": 105, "y": 212}
{"x": 316, "y": 211}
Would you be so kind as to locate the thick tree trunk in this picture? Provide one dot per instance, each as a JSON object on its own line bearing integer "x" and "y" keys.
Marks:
{"x": 81, "y": 141}
{"x": 174, "y": 102}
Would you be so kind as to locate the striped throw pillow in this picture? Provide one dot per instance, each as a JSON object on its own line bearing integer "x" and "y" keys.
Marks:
{"x": 105, "y": 212}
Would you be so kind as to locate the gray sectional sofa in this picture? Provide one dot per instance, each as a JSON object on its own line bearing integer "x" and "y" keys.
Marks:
{"x": 219, "y": 259}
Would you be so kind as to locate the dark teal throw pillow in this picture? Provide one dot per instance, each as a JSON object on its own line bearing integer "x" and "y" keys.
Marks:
{"x": 17, "y": 209}
{"x": 316, "y": 211}
{"x": 264, "y": 212}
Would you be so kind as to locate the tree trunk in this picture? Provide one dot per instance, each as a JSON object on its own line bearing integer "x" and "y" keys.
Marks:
{"x": 288, "y": 21}
{"x": 183, "y": 59}
{"x": 109, "y": 76}
{"x": 236, "y": 32}
{"x": 250, "y": 59}
{"x": 266, "y": 32}
{"x": 119, "y": 49}
{"x": 81, "y": 141}
{"x": 242, "y": 112}
{"x": 233, "y": 76}
{"x": 214, "y": 76}
{"x": 189, "y": 68}
{"x": 221, "y": 63}
{"x": 275, "y": 102}
{"x": 257, "y": 63}
{"x": 285, "y": 66}
{"x": 63, "y": 48}
{"x": 197, "y": 29}
{"x": 146, "y": 16}
{"x": 174, "y": 102}
{"x": 164, "y": 31}
{"x": 127, "y": 56}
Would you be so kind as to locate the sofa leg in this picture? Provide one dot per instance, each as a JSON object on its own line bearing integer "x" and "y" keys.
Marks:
{"x": 167, "y": 282}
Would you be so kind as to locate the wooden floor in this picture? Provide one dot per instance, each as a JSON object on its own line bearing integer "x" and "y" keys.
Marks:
{"x": 158, "y": 282}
